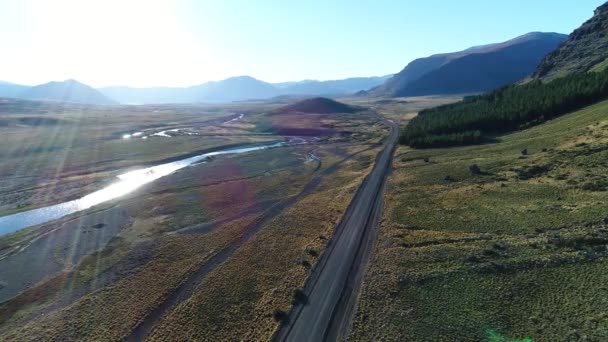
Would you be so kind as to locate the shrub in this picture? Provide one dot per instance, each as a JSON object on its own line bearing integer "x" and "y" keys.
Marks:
{"x": 299, "y": 297}
{"x": 474, "y": 169}
{"x": 473, "y": 259}
{"x": 279, "y": 315}
{"x": 304, "y": 263}
{"x": 313, "y": 253}
{"x": 596, "y": 185}
{"x": 533, "y": 171}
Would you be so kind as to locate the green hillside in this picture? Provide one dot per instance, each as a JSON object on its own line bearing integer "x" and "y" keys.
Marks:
{"x": 510, "y": 108}
{"x": 506, "y": 240}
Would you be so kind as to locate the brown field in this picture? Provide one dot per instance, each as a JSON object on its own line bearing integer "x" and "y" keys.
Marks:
{"x": 216, "y": 231}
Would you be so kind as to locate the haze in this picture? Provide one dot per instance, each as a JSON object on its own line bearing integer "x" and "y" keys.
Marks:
{"x": 179, "y": 43}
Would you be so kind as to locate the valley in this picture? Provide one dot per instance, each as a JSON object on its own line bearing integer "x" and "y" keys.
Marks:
{"x": 263, "y": 200}
{"x": 178, "y": 197}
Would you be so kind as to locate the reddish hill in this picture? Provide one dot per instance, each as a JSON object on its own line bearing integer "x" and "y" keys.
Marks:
{"x": 318, "y": 105}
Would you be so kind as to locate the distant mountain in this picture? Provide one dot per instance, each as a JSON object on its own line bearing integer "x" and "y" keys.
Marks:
{"x": 585, "y": 50}
{"x": 11, "y": 89}
{"x": 320, "y": 105}
{"x": 228, "y": 90}
{"x": 334, "y": 87}
{"x": 239, "y": 89}
{"x": 67, "y": 91}
{"x": 477, "y": 69}
{"x": 234, "y": 89}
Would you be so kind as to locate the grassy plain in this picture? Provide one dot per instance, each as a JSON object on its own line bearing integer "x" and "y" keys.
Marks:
{"x": 53, "y": 153}
{"x": 107, "y": 268}
{"x": 510, "y": 249}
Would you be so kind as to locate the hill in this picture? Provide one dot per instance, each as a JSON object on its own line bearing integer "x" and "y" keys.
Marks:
{"x": 67, "y": 91}
{"x": 234, "y": 89}
{"x": 585, "y": 50}
{"x": 474, "y": 70}
{"x": 8, "y": 89}
{"x": 525, "y": 233}
{"x": 319, "y": 105}
{"x": 517, "y": 106}
{"x": 333, "y": 87}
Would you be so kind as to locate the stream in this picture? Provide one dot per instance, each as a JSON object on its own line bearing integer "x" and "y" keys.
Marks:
{"x": 126, "y": 183}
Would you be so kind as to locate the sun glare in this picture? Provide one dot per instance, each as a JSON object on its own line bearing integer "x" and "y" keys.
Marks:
{"x": 105, "y": 42}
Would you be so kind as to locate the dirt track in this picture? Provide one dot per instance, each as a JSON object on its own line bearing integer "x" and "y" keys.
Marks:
{"x": 325, "y": 313}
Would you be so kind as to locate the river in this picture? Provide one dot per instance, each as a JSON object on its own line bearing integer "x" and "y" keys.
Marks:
{"x": 125, "y": 183}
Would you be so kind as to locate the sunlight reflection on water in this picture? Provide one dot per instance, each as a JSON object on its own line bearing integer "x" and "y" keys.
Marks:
{"x": 127, "y": 182}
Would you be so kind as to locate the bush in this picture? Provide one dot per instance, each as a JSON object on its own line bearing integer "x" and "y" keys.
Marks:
{"x": 304, "y": 263}
{"x": 299, "y": 297}
{"x": 474, "y": 169}
{"x": 313, "y": 253}
{"x": 473, "y": 259}
{"x": 279, "y": 315}
{"x": 597, "y": 185}
{"x": 533, "y": 171}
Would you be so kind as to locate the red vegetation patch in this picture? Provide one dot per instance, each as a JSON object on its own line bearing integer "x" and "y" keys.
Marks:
{"x": 300, "y": 125}
{"x": 320, "y": 105}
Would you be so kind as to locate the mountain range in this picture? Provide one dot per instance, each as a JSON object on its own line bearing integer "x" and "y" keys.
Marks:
{"x": 240, "y": 88}
{"x": 232, "y": 89}
{"x": 8, "y": 89}
{"x": 474, "y": 70}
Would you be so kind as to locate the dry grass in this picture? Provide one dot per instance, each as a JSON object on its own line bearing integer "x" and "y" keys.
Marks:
{"x": 103, "y": 295}
{"x": 238, "y": 299}
{"x": 516, "y": 252}
{"x": 111, "y": 312}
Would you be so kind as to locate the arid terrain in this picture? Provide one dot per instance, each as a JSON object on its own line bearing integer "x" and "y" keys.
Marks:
{"x": 216, "y": 249}
{"x": 304, "y": 171}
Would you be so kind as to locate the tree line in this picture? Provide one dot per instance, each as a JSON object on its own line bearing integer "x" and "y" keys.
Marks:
{"x": 506, "y": 109}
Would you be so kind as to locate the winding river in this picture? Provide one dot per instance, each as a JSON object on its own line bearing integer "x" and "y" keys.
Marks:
{"x": 126, "y": 183}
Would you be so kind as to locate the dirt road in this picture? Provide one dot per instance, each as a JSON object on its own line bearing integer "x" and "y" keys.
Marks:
{"x": 324, "y": 314}
{"x": 186, "y": 289}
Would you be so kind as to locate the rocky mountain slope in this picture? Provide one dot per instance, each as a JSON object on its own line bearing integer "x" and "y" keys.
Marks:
{"x": 473, "y": 70}
{"x": 585, "y": 50}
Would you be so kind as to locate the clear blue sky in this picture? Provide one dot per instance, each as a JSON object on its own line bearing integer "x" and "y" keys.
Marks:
{"x": 164, "y": 42}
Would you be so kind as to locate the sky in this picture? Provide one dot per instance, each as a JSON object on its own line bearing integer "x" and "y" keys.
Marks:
{"x": 146, "y": 43}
